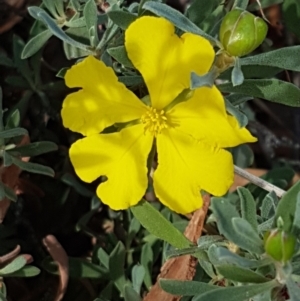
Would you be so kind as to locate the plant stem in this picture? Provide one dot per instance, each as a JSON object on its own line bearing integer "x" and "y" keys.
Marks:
{"x": 259, "y": 182}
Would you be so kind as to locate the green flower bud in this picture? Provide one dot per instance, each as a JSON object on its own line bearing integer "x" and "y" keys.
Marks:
{"x": 241, "y": 32}
{"x": 280, "y": 245}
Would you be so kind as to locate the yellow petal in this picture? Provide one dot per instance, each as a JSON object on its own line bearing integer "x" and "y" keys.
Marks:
{"x": 185, "y": 166}
{"x": 204, "y": 117}
{"x": 102, "y": 101}
{"x": 164, "y": 59}
{"x": 121, "y": 157}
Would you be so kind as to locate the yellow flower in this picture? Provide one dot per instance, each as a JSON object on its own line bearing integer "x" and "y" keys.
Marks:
{"x": 190, "y": 136}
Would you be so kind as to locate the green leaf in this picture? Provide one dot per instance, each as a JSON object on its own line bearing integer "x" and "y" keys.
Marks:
{"x": 130, "y": 294}
{"x": 291, "y": 15}
{"x": 137, "y": 276}
{"x": 34, "y": 167}
{"x": 33, "y": 149}
{"x": 246, "y": 237}
{"x": 226, "y": 257}
{"x": 90, "y": 14}
{"x": 77, "y": 185}
{"x": 240, "y": 116}
{"x": 17, "y": 264}
{"x": 199, "y": 9}
{"x": 284, "y": 58}
{"x": 50, "y": 5}
{"x": 248, "y": 206}
{"x": 269, "y": 205}
{"x": 22, "y": 65}
{"x": 42, "y": 16}
{"x": 103, "y": 258}
{"x": 116, "y": 266}
{"x": 270, "y": 89}
{"x": 240, "y": 274}
{"x": 293, "y": 289}
{"x": 121, "y": 18}
{"x": 26, "y": 271}
{"x": 241, "y": 4}
{"x": 157, "y": 225}
{"x": 36, "y": 43}
{"x": 287, "y": 207}
{"x": 147, "y": 261}
{"x": 78, "y": 268}
{"x": 7, "y": 159}
{"x": 185, "y": 288}
{"x": 13, "y": 119}
{"x": 7, "y": 192}
{"x": 16, "y": 132}
{"x": 237, "y": 99}
{"x": 242, "y": 155}
{"x": 296, "y": 221}
{"x": 236, "y": 293}
{"x": 131, "y": 80}
{"x": 178, "y": 19}
{"x": 120, "y": 55}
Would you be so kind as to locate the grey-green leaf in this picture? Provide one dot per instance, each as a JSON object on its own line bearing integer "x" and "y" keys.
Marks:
{"x": 13, "y": 133}
{"x": 287, "y": 206}
{"x": 240, "y": 274}
{"x": 130, "y": 294}
{"x": 26, "y": 271}
{"x": 236, "y": 293}
{"x": 270, "y": 89}
{"x": 120, "y": 55}
{"x": 248, "y": 206}
{"x": 33, "y": 149}
{"x": 122, "y": 18}
{"x": 246, "y": 237}
{"x": 41, "y": 15}
{"x": 178, "y": 19}
{"x": 36, "y": 43}
{"x": 17, "y": 264}
{"x": 185, "y": 288}
{"x": 283, "y": 58}
{"x": 34, "y": 167}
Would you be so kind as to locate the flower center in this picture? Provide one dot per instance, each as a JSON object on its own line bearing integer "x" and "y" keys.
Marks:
{"x": 154, "y": 121}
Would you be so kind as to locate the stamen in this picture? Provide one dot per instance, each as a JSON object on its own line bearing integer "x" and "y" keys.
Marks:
{"x": 154, "y": 121}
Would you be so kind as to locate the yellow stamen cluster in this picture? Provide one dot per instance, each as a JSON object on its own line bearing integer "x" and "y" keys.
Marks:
{"x": 155, "y": 121}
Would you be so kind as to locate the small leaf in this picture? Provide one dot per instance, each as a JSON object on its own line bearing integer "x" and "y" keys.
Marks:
{"x": 239, "y": 274}
{"x": 296, "y": 221}
{"x": 247, "y": 237}
{"x": 36, "y": 43}
{"x": 161, "y": 228}
{"x": 120, "y": 55}
{"x": 270, "y": 89}
{"x": 138, "y": 274}
{"x": 131, "y": 80}
{"x": 34, "y": 167}
{"x": 42, "y": 16}
{"x": 121, "y": 18}
{"x": 248, "y": 206}
{"x": 241, "y": 117}
{"x": 237, "y": 76}
{"x": 116, "y": 266}
{"x": 236, "y": 293}
{"x": 90, "y": 15}
{"x": 287, "y": 207}
{"x": 130, "y": 294}
{"x": 147, "y": 261}
{"x": 283, "y": 58}
{"x": 26, "y": 271}
{"x": 13, "y": 133}
{"x": 291, "y": 15}
{"x": 7, "y": 159}
{"x": 33, "y": 149}
{"x": 185, "y": 288}
{"x": 293, "y": 289}
{"x": 178, "y": 19}
{"x": 206, "y": 80}
{"x": 17, "y": 264}
{"x": 241, "y": 4}
{"x": 199, "y": 9}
